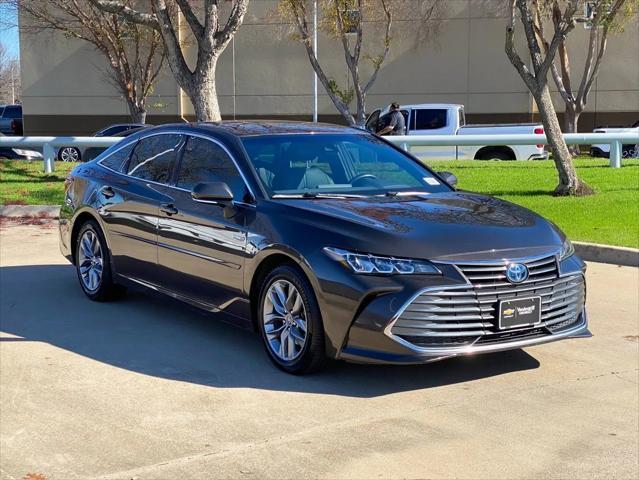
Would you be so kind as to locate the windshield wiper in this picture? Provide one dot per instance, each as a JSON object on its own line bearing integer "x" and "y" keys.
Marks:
{"x": 317, "y": 195}
{"x": 392, "y": 193}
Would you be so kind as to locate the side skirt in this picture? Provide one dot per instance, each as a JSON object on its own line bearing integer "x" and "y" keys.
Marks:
{"x": 220, "y": 313}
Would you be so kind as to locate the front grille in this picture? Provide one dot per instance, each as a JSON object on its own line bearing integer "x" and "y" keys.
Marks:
{"x": 466, "y": 315}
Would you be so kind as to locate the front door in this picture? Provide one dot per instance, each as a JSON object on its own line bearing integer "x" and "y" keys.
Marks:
{"x": 201, "y": 246}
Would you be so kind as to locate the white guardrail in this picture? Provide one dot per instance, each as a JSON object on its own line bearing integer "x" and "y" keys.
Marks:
{"x": 50, "y": 145}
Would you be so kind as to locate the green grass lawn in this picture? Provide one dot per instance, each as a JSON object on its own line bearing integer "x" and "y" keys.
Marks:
{"x": 25, "y": 183}
{"x": 611, "y": 216}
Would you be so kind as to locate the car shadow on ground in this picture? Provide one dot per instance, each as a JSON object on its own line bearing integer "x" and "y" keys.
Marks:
{"x": 163, "y": 338}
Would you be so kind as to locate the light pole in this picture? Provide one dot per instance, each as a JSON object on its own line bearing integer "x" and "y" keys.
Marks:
{"x": 13, "y": 86}
{"x": 315, "y": 53}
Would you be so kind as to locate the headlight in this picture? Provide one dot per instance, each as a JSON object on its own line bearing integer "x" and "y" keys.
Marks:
{"x": 567, "y": 249}
{"x": 373, "y": 265}
{"x": 27, "y": 153}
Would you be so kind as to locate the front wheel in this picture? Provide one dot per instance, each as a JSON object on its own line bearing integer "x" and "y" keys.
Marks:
{"x": 290, "y": 321}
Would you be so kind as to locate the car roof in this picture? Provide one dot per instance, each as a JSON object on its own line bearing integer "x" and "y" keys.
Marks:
{"x": 245, "y": 128}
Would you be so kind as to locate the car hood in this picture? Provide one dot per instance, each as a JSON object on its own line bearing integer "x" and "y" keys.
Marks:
{"x": 455, "y": 226}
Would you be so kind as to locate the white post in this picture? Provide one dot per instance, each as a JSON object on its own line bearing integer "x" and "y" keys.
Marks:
{"x": 234, "y": 79}
{"x": 48, "y": 152}
{"x": 13, "y": 86}
{"x": 615, "y": 154}
{"x": 315, "y": 52}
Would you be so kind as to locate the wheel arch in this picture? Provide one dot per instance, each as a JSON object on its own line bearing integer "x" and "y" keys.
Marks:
{"x": 482, "y": 153}
{"x": 266, "y": 261}
{"x": 80, "y": 219}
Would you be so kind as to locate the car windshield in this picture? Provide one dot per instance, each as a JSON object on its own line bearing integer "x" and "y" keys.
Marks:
{"x": 316, "y": 165}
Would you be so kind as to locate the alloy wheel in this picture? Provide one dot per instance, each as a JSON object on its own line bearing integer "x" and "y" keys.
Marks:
{"x": 90, "y": 261}
{"x": 285, "y": 321}
{"x": 69, "y": 154}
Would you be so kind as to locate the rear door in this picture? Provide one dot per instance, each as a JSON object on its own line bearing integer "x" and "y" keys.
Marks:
{"x": 433, "y": 121}
{"x": 131, "y": 203}
{"x": 202, "y": 245}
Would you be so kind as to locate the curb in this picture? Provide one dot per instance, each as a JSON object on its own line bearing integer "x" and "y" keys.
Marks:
{"x": 40, "y": 211}
{"x": 593, "y": 252}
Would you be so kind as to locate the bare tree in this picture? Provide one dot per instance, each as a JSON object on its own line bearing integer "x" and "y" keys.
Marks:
{"x": 606, "y": 16}
{"x": 211, "y": 37}
{"x": 10, "y": 91}
{"x": 343, "y": 19}
{"x": 536, "y": 79}
{"x": 135, "y": 53}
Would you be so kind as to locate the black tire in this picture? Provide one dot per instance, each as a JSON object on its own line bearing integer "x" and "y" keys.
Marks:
{"x": 69, "y": 154}
{"x": 495, "y": 155}
{"x": 106, "y": 289}
{"x": 312, "y": 356}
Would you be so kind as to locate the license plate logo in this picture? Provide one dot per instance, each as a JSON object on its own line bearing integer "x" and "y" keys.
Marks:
{"x": 522, "y": 312}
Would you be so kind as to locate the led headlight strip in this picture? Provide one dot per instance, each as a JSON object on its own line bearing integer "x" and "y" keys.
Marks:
{"x": 374, "y": 265}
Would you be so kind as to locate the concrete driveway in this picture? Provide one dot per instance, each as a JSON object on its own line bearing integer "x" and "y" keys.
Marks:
{"x": 147, "y": 388}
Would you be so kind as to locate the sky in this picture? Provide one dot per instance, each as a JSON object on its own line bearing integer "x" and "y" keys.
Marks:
{"x": 9, "y": 30}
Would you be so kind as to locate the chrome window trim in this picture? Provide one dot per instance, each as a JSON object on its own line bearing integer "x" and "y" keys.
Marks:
{"x": 186, "y": 134}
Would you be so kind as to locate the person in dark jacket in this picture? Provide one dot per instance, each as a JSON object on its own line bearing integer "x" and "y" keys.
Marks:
{"x": 395, "y": 123}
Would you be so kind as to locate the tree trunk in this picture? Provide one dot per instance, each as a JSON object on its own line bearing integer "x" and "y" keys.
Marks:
{"x": 136, "y": 112}
{"x": 204, "y": 99}
{"x": 571, "y": 125}
{"x": 203, "y": 96}
{"x": 569, "y": 182}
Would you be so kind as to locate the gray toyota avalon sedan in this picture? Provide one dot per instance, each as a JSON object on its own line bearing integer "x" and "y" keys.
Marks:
{"x": 328, "y": 241}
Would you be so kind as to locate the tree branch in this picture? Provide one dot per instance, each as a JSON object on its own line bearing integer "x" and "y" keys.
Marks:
{"x": 191, "y": 18}
{"x": 236, "y": 17}
{"x": 511, "y": 51}
{"x": 387, "y": 43}
{"x": 120, "y": 8}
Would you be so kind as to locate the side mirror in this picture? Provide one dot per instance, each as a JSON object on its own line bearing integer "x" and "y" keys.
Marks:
{"x": 218, "y": 192}
{"x": 449, "y": 178}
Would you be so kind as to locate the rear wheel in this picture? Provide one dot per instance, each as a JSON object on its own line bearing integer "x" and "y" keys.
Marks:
{"x": 69, "y": 154}
{"x": 290, "y": 321}
{"x": 495, "y": 154}
{"x": 93, "y": 264}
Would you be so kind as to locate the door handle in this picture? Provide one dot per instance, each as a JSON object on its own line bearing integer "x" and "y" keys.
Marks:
{"x": 168, "y": 208}
{"x": 107, "y": 192}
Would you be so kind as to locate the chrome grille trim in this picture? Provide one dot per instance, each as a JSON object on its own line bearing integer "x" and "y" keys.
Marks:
{"x": 461, "y": 315}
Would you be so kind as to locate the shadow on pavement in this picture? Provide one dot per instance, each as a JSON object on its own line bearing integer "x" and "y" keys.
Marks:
{"x": 162, "y": 338}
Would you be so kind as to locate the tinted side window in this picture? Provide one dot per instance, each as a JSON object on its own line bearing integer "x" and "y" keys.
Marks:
{"x": 206, "y": 161}
{"x": 12, "y": 112}
{"x": 430, "y": 119}
{"x": 154, "y": 156}
{"x": 117, "y": 160}
{"x": 110, "y": 132}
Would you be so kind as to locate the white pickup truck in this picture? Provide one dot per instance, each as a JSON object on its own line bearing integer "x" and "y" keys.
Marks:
{"x": 627, "y": 151}
{"x": 449, "y": 119}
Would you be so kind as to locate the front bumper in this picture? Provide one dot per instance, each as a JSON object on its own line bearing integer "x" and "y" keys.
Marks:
{"x": 355, "y": 352}
{"x": 459, "y": 318}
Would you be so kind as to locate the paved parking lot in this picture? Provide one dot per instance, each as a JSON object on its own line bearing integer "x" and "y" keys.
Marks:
{"x": 148, "y": 388}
